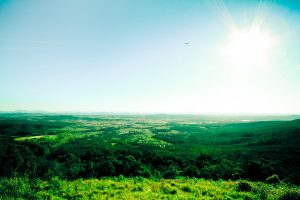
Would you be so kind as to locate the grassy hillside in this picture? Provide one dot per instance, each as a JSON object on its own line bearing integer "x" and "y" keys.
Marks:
{"x": 141, "y": 188}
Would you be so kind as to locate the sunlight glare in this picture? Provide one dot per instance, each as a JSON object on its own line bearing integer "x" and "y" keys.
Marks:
{"x": 248, "y": 48}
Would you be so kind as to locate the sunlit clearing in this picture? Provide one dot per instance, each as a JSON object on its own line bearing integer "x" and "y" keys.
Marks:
{"x": 248, "y": 48}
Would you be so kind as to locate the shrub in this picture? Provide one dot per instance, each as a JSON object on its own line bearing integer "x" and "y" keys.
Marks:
{"x": 190, "y": 171}
{"x": 213, "y": 171}
{"x": 144, "y": 171}
{"x": 168, "y": 190}
{"x": 186, "y": 188}
{"x": 171, "y": 172}
{"x": 273, "y": 179}
{"x": 244, "y": 186}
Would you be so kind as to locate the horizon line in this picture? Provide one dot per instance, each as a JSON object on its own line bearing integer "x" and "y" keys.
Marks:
{"x": 146, "y": 113}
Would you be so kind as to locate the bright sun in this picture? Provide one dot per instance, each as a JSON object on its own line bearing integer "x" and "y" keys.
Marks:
{"x": 248, "y": 48}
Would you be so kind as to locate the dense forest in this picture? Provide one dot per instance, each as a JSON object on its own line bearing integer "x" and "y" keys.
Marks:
{"x": 69, "y": 147}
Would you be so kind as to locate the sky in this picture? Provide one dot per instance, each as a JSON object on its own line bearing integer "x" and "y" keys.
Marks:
{"x": 150, "y": 56}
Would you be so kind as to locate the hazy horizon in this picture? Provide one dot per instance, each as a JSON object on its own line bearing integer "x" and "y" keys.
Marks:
{"x": 147, "y": 113}
{"x": 150, "y": 57}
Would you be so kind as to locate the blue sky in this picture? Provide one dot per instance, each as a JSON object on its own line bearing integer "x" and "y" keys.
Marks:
{"x": 151, "y": 56}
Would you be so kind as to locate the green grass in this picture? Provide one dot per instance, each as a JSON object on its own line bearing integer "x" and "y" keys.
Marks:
{"x": 141, "y": 188}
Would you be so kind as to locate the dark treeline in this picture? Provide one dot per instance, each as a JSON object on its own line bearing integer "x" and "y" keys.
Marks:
{"x": 70, "y": 161}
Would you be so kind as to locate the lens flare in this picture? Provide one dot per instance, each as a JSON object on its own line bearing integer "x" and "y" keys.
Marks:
{"x": 248, "y": 48}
